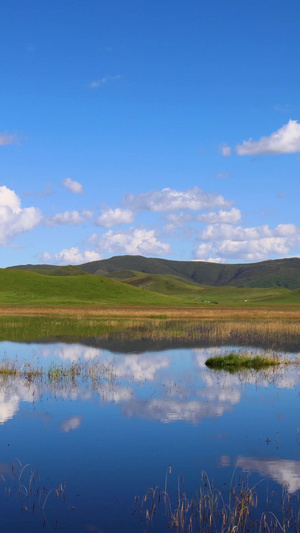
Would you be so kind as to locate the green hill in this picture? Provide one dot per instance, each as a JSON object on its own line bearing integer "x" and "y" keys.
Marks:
{"x": 267, "y": 274}
{"x": 19, "y": 287}
{"x": 280, "y": 272}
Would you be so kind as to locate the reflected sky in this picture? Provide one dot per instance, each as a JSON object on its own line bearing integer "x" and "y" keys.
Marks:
{"x": 127, "y": 417}
{"x": 285, "y": 472}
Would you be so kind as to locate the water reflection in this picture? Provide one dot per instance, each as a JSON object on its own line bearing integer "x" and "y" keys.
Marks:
{"x": 14, "y": 390}
{"x": 109, "y": 417}
{"x": 71, "y": 423}
{"x": 165, "y": 387}
{"x": 283, "y": 471}
{"x": 170, "y": 410}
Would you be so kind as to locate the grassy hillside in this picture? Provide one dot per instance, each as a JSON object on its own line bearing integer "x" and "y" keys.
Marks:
{"x": 281, "y": 272}
{"x": 61, "y": 271}
{"x": 276, "y": 273}
{"x": 171, "y": 285}
{"x": 19, "y": 287}
{"x": 205, "y": 295}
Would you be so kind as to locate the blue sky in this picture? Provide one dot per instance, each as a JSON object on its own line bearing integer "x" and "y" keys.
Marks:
{"x": 156, "y": 128}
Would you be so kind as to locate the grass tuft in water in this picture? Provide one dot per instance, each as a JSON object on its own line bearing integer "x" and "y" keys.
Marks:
{"x": 234, "y": 362}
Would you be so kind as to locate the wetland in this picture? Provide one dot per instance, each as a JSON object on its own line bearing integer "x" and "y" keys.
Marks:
{"x": 112, "y": 421}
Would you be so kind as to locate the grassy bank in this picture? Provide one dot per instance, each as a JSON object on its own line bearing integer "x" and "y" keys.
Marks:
{"x": 276, "y": 328}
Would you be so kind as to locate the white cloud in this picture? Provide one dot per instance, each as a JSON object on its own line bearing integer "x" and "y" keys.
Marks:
{"x": 168, "y": 200}
{"x": 226, "y": 217}
{"x": 72, "y": 186}
{"x": 250, "y": 244}
{"x": 178, "y": 220}
{"x": 216, "y": 260}
{"x": 8, "y": 139}
{"x": 13, "y": 219}
{"x": 239, "y": 233}
{"x": 286, "y": 140}
{"x": 225, "y": 150}
{"x": 114, "y": 217}
{"x": 96, "y": 84}
{"x": 71, "y": 256}
{"x": 135, "y": 241}
{"x": 222, "y": 175}
{"x": 70, "y": 218}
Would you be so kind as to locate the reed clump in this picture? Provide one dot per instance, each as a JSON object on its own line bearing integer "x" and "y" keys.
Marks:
{"x": 234, "y": 361}
{"x": 216, "y": 511}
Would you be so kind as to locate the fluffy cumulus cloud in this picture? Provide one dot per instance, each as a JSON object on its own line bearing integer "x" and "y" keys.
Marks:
{"x": 135, "y": 241}
{"x": 73, "y": 186}
{"x": 13, "y": 219}
{"x": 69, "y": 218}
{"x": 114, "y": 217}
{"x": 286, "y": 140}
{"x": 226, "y": 217}
{"x": 250, "y": 244}
{"x": 168, "y": 200}
{"x": 8, "y": 138}
{"x": 71, "y": 256}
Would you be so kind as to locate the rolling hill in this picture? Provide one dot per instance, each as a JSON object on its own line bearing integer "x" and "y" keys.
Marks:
{"x": 275, "y": 273}
{"x": 156, "y": 281}
{"x": 19, "y": 287}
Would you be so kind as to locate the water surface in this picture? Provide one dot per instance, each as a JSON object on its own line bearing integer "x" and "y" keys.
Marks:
{"x": 99, "y": 443}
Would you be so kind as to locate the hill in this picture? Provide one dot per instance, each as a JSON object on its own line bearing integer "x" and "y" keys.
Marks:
{"x": 19, "y": 287}
{"x": 266, "y": 274}
{"x": 274, "y": 273}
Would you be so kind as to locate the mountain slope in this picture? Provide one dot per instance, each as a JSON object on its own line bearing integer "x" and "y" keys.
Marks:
{"x": 280, "y": 272}
{"x": 275, "y": 273}
{"x": 19, "y": 287}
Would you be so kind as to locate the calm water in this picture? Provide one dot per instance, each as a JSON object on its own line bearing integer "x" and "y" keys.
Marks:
{"x": 109, "y": 440}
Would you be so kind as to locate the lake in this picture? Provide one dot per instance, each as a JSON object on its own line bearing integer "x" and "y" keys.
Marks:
{"x": 82, "y": 444}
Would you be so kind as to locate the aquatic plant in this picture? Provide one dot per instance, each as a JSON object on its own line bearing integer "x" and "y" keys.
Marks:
{"x": 217, "y": 511}
{"x": 234, "y": 361}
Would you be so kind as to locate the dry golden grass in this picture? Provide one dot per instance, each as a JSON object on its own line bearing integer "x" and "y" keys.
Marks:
{"x": 222, "y": 313}
{"x": 273, "y": 328}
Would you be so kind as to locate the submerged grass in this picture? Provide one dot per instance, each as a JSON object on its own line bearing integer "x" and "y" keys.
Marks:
{"x": 63, "y": 374}
{"x": 217, "y": 511}
{"x": 234, "y": 362}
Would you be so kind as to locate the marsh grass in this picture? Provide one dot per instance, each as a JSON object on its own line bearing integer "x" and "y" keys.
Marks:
{"x": 234, "y": 361}
{"x": 216, "y": 511}
{"x": 273, "y": 328}
{"x": 90, "y": 372}
{"x": 24, "y": 482}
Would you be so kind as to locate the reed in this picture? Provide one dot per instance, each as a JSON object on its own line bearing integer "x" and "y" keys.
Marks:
{"x": 268, "y": 328}
{"x": 214, "y": 511}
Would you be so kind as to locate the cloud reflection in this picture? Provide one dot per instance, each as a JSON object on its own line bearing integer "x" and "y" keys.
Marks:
{"x": 71, "y": 423}
{"x": 12, "y": 391}
{"x": 284, "y": 471}
{"x": 167, "y": 411}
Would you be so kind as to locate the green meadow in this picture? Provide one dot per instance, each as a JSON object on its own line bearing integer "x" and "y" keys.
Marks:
{"x": 69, "y": 286}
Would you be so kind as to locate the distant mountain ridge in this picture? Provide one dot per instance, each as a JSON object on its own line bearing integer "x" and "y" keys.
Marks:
{"x": 272, "y": 273}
